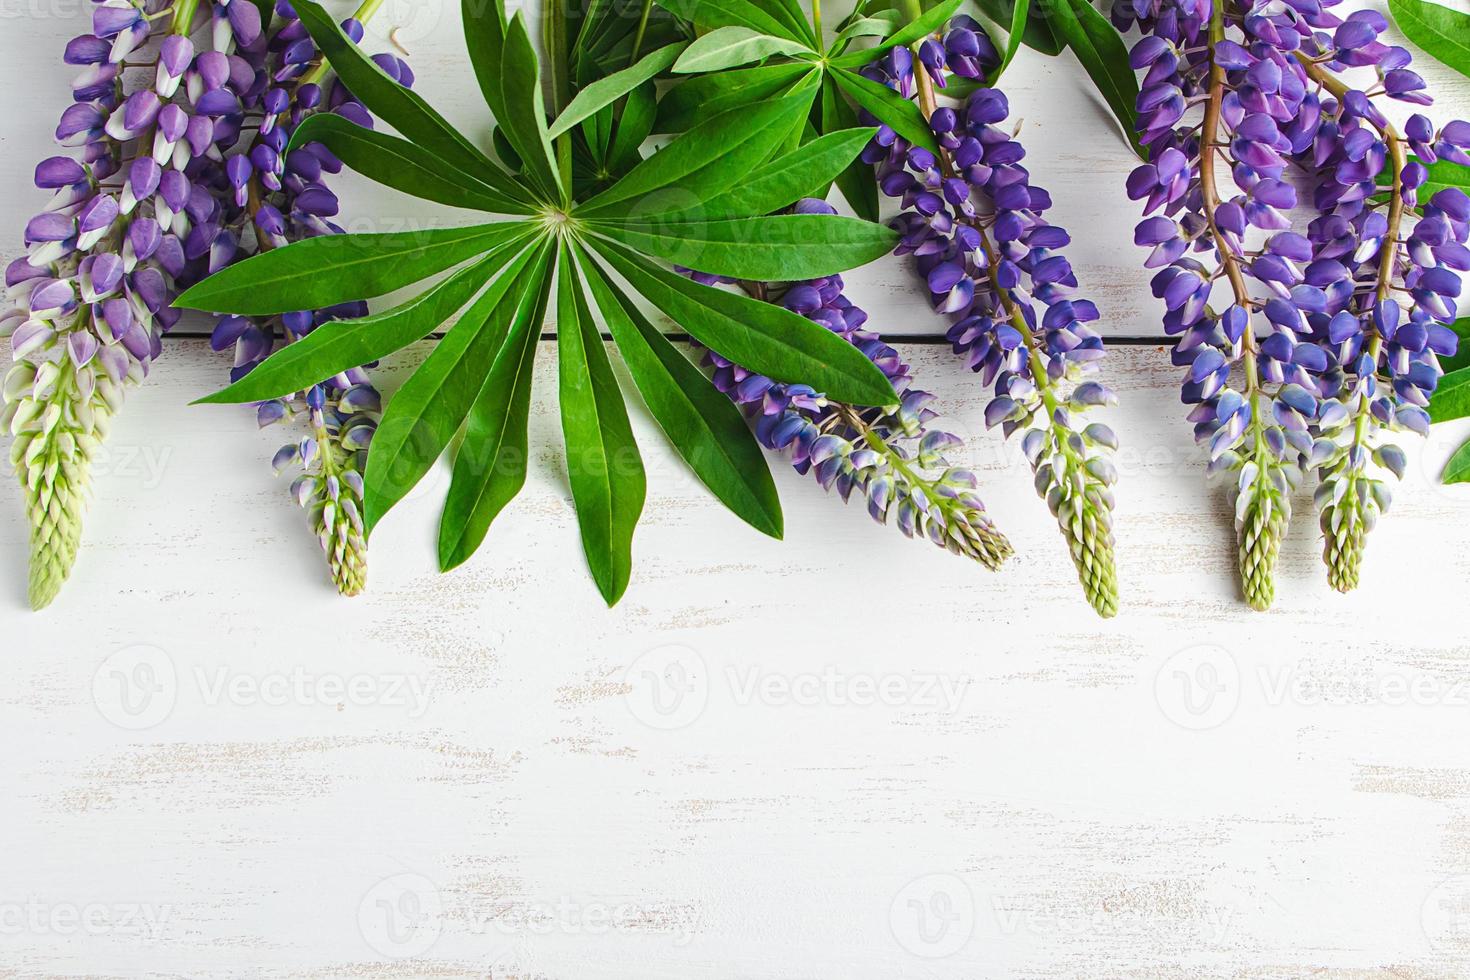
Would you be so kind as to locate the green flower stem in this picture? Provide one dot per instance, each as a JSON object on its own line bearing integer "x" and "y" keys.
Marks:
{"x": 318, "y": 71}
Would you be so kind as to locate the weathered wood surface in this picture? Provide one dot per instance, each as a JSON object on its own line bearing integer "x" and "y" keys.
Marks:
{"x": 845, "y": 755}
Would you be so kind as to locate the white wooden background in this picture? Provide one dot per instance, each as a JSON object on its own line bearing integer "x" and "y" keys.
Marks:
{"x": 846, "y": 755}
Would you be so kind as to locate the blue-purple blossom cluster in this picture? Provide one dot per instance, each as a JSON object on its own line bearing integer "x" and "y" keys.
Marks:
{"x": 890, "y": 456}
{"x": 176, "y": 151}
{"x": 1319, "y": 342}
{"x": 90, "y": 298}
{"x": 992, "y": 262}
{"x": 273, "y": 197}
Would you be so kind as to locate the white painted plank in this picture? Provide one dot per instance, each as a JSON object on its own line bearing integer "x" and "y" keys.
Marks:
{"x": 505, "y": 757}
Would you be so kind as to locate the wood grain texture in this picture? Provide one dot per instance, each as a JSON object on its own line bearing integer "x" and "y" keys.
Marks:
{"x": 846, "y": 755}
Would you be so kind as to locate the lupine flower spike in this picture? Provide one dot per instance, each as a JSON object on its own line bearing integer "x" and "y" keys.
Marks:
{"x": 975, "y": 222}
{"x": 92, "y": 292}
{"x": 1312, "y": 322}
{"x": 891, "y": 457}
{"x": 277, "y": 198}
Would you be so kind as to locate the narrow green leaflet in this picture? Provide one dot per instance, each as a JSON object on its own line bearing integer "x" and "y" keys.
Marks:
{"x": 1457, "y": 470}
{"x": 1461, "y": 357}
{"x": 1442, "y": 174}
{"x": 891, "y": 108}
{"x": 703, "y": 425}
{"x": 332, "y": 269}
{"x": 866, "y": 27}
{"x": 634, "y": 126}
{"x": 764, "y": 338}
{"x": 703, "y": 162}
{"x": 916, "y": 30}
{"x": 606, "y": 91}
{"x": 856, "y": 180}
{"x": 805, "y": 171}
{"x": 484, "y": 36}
{"x": 1103, "y": 55}
{"x": 741, "y": 13}
{"x": 1443, "y": 32}
{"x": 731, "y": 47}
{"x": 402, "y": 165}
{"x": 340, "y": 345}
{"x": 424, "y": 414}
{"x": 401, "y": 108}
{"x": 490, "y": 464}
{"x": 698, "y": 99}
{"x": 603, "y": 465}
{"x": 1452, "y": 397}
{"x": 524, "y": 119}
{"x": 1037, "y": 34}
{"x": 1014, "y": 37}
{"x": 783, "y": 246}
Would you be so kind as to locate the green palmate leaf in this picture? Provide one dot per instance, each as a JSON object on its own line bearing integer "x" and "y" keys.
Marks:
{"x": 898, "y": 113}
{"x": 403, "y": 166}
{"x": 710, "y": 14}
{"x": 603, "y": 465}
{"x": 703, "y": 425}
{"x": 1451, "y": 398}
{"x": 425, "y": 413}
{"x": 1457, "y": 470}
{"x": 332, "y": 269}
{"x": 699, "y": 99}
{"x": 401, "y": 108}
{"x": 731, "y": 47}
{"x": 524, "y": 118}
{"x": 490, "y": 465}
{"x": 762, "y": 337}
{"x": 701, "y": 163}
{"x": 919, "y": 28}
{"x": 606, "y": 91}
{"x": 856, "y": 180}
{"x": 1103, "y": 55}
{"x": 785, "y": 246}
{"x": 805, "y": 171}
{"x": 1017, "y": 33}
{"x": 340, "y": 345}
{"x": 1443, "y": 32}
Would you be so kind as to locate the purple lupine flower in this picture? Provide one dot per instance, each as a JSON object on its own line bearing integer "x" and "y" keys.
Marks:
{"x": 270, "y": 198}
{"x": 1315, "y": 319}
{"x": 91, "y": 296}
{"x": 890, "y": 456}
{"x": 992, "y": 263}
